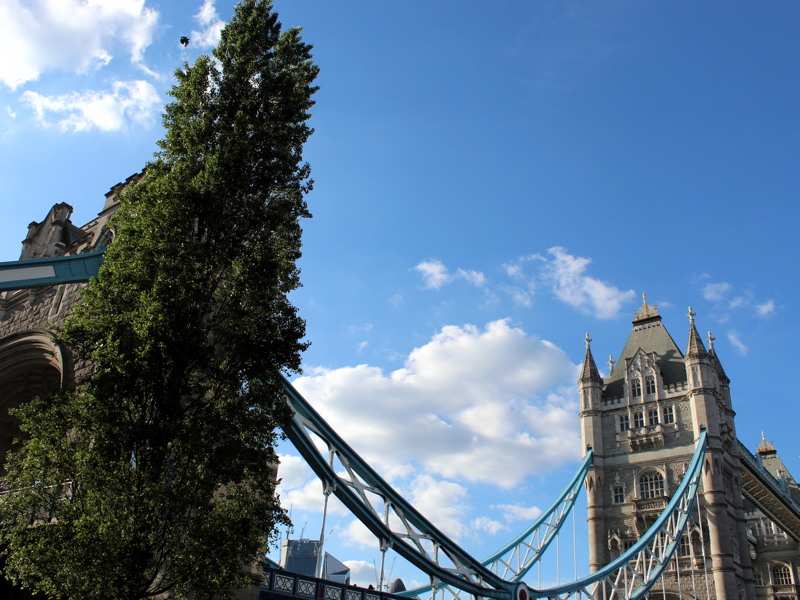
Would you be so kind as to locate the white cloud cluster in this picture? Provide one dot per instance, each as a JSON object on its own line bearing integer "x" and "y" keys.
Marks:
{"x": 566, "y": 274}
{"x": 765, "y": 308}
{"x": 513, "y": 512}
{"x": 471, "y": 405}
{"x": 128, "y": 102}
{"x": 435, "y": 274}
{"x": 211, "y": 26}
{"x": 725, "y": 297}
{"x": 78, "y": 36}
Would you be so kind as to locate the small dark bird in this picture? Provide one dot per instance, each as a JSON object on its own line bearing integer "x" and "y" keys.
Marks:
{"x": 184, "y": 41}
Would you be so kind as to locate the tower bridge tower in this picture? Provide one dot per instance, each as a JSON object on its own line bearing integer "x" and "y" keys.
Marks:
{"x": 642, "y": 422}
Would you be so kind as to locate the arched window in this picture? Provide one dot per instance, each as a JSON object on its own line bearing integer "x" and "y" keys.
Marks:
{"x": 650, "y": 385}
{"x": 781, "y": 575}
{"x": 651, "y": 485}
{"x": 636, "y": 388}
{"x": 685, "y": 547}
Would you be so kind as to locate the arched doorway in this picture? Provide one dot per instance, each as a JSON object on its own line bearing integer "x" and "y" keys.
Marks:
{"x": 31, "y": 365}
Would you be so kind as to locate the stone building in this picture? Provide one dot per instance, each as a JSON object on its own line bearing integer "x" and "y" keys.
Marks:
{"x": 32, "y": 363}
{"x": 775, "y": 554}
{"x": 642, "y": 422}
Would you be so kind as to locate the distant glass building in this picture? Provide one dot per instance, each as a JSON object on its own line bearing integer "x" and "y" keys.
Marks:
{"x": 300, "y": 556}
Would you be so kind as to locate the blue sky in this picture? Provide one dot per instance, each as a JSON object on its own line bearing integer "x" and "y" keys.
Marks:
{"x": 492, "y": 181}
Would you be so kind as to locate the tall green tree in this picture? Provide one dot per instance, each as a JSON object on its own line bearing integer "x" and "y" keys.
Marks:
{"x": 154, "y": 475}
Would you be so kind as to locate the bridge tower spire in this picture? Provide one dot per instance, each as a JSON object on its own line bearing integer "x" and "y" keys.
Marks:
{"x": 590, "y": 385}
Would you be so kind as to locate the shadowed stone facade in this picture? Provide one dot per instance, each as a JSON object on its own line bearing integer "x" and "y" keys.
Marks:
{"x": 32, "y": 363}
{"x": 642, "y": 422}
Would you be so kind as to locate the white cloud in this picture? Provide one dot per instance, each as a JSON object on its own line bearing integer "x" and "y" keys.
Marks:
{"x": 128, "y": 102}
{"x": 566, "y": 274}
{"x": 362, "y": 573}
{"x": 293, "y": 471}
{"x": 435, "y": 274}
{"x": 442, "y": 502}
{"x": 514, "y": 512}
{"x": 208, "y": 19}
{"x": 476, "y": 278}
{"x": 716, "y": 291}
{"x": 470, "y": 404}
{"x": 767, "y": 308}
{"x": 309, "y": 497}
{"x": 735, "y": 339}
{"x": 356, "y": 535}
{"x": 487, "y": 525}
{"x": 77, "y": 36}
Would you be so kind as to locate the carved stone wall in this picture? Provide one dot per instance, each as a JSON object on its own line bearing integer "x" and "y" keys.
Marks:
{"x": 32, "y": 363}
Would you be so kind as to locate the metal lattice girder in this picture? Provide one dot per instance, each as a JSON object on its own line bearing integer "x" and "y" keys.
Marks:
{"x": 515, "y": 559}
{"x": 632, "y": 575}
{"x": 49, "y": 271}
{"x": 765, "y": 491}
{"x": 396, "y": 523}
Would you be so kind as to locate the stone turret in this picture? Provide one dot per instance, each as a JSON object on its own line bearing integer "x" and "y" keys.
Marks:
{"x": 642, "y": 422}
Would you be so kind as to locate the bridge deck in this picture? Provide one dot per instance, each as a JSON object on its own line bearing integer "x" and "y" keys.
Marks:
{"x": 766, "y": 492}
{"x": 283, "y": 585}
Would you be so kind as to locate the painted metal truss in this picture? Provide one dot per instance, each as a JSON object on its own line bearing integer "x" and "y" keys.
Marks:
{"x": 396, "y": 523}
{"x": 632, "y": 575}
{"x": 513, "y": 561}
{"x": 49, "y": 271}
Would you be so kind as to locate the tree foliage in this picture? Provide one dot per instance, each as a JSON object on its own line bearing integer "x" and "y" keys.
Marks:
{"x": 154, "y": 474}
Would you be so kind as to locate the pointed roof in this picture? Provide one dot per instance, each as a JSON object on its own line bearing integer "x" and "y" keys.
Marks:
{"x": 772, "y": 463}
{"x": 649, "y": 335}
{"x": 712, "y": 354}
{"x": 589, "y": 372}
{"x": 695, "y": 347}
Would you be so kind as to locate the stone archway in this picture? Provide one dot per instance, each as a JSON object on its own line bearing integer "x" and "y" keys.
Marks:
{"x": 31, "y": 364}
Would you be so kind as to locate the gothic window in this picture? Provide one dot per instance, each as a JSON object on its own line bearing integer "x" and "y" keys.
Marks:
{"x": 650, "y": 384}
{"x": 636, "y": 388}
{"x": 685, "y": 547}
{"x": 669, "y": 414}
{"x": 758, "y": 580}
{"x": 652, "y": 416}
{"x": 651, "y": 485}
{"x": 619, "y": 494}
{"x": 638, "y": 419}
{"x": 624, "y": 422}
{"x": 781, "y": 575}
